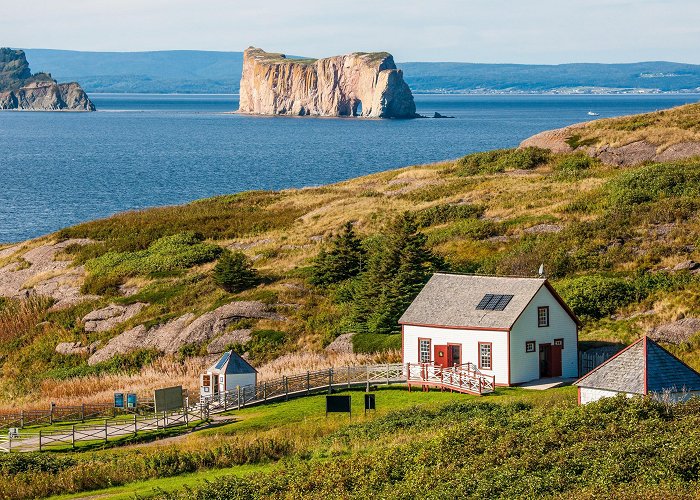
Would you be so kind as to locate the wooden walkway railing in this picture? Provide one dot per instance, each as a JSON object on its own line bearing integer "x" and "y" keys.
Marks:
{"x": 302, "y": 385}
{"x": 463, "y": 378}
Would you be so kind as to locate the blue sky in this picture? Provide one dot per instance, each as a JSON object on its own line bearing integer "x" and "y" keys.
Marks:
{"x": 536, "y": 31}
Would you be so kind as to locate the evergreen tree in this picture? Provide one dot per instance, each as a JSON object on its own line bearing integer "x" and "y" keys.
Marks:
{"x": 234, "y": 272}
{"x": 341, "y": 261}
{"x": 398, "y": 268}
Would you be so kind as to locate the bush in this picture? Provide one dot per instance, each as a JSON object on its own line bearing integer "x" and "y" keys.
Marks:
{"x": 571, "y": 166}
{"x": 234, "y": 272}
{"x": 166, "y": 255}
{"x": 596, "y": 296}
{"x": 370, "y": 343}
{"x": 654, "y": 182}
{"x": 500, "y": 160}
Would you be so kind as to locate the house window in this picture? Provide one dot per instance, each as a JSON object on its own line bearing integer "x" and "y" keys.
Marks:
{"x": 559, "y": 342}
{"x": 543, "y": 316}
{"x": 484, "y": 355}
{"x": 423, "y": 350}
{"x": 530, "y": 346}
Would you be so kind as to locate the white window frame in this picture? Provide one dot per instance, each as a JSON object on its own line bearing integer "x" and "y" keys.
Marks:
{"x": 421, "y": 351}
{"x": 543, "y": 319}
{"x": 483, "y": 356}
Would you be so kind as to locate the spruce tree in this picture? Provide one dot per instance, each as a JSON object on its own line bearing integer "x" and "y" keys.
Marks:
{"x": 397, "y": 270}
{"x": 234, "y": 272}
{"x": 341, "y": 261}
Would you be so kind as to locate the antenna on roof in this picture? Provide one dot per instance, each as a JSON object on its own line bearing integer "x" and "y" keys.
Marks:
{"x": 541, "y": 271}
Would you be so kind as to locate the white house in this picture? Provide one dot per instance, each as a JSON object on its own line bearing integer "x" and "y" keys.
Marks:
{"x": 644, "y": 368}
{"x": 229, "y": 372}
{"x": 512, "y": 329}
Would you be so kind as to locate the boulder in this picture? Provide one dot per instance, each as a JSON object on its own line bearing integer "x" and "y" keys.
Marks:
{"x": 676, "y": 332}
{"x": 75, "y": 348}
{"x": 108, "y": 317}
{"x": 341, "y": 344}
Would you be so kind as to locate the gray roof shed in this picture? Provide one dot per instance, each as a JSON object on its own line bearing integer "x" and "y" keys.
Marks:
{"x": 452, "y": 300}
{"x": 641, "y": 368}
{"x": 231, "y": 363}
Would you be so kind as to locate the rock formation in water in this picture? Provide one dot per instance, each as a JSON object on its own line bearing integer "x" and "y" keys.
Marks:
{"x": 20, "y": 90}
{"x": 358, "y": 84}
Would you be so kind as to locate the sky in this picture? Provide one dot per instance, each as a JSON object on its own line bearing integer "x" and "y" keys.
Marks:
{"x": 495, "y": 31}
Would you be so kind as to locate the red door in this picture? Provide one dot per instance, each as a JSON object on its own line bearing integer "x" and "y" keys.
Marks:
{"x": 555, "y": 365}
{"x": 454, "y": 354}
{"x": 441, "y": 356}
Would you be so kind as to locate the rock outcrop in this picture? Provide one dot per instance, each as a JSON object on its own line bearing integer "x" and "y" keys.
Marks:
{"x": 186, "y": 329}
{"x": 20, "y": 90}
{"x": 633, "y": 153}
{"x": 358, "y": 84}
{"x": 108, "y": 317}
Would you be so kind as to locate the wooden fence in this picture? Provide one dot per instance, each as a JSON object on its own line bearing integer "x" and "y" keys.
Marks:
{"x": 56, "y": 414}
{"x": 24, "y": 441}
{"x": 588, "y": 360}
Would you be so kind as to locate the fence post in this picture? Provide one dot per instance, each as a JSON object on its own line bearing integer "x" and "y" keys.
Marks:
{"x": 9, "y": 443}
{"x": 21, "y": 419}
{"x": 265, "y": 391}
{"x": 82, "y": 412}
{"x": 367, "y": 373}
{"x": 51, "y": 415}
{"x": 286, "y": 389}
{"x": 330, "y": 381}
{"x": 348, "y": 377}
{"x": 39, "y": 439}
{"x": 136, "y": 428}
{"x": 106, "y": 433}
{"x": 308, "y": 382}
{"x": 239, "y": 396}
{"x": 387, "y": 374}
{"x": 72, "y": 441}
{"x": 165, "y": 420}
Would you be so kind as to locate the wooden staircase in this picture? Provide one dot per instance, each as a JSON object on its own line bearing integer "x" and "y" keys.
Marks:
{"x": 461, "y": 378}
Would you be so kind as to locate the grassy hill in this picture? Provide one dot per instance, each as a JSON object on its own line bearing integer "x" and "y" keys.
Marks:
{"x": 616, "y": 242}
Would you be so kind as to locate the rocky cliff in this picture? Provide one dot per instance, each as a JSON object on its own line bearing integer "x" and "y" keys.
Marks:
{"x": 21, "y": 90}
{"x": 358, "y": 84}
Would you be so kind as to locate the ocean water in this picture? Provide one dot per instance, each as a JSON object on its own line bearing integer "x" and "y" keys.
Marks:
{"x": 58, "y": 169}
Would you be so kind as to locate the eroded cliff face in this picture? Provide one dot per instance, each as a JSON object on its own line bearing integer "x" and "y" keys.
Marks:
{"x": 357, "y": 84}
{"x": 20, "y": 90}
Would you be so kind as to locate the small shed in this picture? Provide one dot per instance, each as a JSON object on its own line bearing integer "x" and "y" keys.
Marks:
{"x": 229, "y": 372}
{"x": 644, "y": 368}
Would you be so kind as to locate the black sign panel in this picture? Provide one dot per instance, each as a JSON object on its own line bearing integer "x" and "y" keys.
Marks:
{"x": 119, "y": 400}
{"x": 337, "y": 404}
{"x": 370, "y": 403}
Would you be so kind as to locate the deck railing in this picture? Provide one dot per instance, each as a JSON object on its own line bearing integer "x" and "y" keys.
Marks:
{"x": 462, "y": 378}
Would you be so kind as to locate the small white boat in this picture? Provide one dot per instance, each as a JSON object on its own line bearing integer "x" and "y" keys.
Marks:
{"x": 591, "y": 113}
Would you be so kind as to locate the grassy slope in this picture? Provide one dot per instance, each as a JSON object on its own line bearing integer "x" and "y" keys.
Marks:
{"x": 661, "y": 128}
{"x": 610, "y": 221}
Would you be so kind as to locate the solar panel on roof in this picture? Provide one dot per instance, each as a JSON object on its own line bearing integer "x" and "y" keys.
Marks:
{"x": 222, "y": 361}
{"x": 494, "y": 302}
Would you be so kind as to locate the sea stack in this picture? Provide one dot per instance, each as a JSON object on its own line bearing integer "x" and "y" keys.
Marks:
{"x": 22, "y": 90}
{"x": 357, "y": 84}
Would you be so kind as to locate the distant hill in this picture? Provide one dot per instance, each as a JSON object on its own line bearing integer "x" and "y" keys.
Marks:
{"x": 194, "y": 71}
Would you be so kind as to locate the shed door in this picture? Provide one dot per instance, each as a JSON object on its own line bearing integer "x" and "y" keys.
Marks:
{"x": 441, "y": 356}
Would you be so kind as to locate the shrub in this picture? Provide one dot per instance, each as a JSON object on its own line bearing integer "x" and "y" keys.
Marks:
{"x": 500, "y": 160}
{"x": 654, "y": 182}
{"x": 166, "y": 255}
{"x": 373, "y": 342}
{"x": 234, "y": 272}
{"x": 596, "y": 296}
{"x": 571, "y": 166}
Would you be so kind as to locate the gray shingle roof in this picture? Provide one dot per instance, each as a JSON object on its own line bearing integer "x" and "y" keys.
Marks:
{"x": 451, "y": 300}
{"x": 231, "y": 363}
{"x": 625, "y": 372}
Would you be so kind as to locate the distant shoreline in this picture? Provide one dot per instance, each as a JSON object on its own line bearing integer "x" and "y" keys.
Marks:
{"x": 585, "y": 94}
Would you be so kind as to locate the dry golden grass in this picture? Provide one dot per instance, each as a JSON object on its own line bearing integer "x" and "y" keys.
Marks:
{"x": 661, "y": 128}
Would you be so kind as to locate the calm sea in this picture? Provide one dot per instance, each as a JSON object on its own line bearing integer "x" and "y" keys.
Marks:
{"x": 58, "y": 169}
